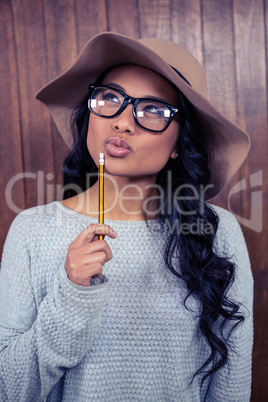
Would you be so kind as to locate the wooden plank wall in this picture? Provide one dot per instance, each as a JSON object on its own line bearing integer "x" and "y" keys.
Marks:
{"x": 40, "y": 38}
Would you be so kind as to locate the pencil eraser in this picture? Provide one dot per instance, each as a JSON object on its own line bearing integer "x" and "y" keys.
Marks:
{"x": 101, "y": 158}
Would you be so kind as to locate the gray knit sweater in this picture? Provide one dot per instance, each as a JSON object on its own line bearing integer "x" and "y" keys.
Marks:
{"x": 128, "y": 337}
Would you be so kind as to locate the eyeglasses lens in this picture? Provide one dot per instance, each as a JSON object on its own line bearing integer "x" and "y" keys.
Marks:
{"x": 153, "y": 115}
{"x": 106, "y": 102}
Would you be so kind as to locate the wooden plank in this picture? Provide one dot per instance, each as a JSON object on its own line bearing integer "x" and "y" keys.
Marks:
{"x": 260, "y": 351}
{"x": 11, "y": 163}
{"x": 219, "y": 55}
{"x": 251, "y": 67}
{"x": 91, "y": 19}
{"x": 60, "y": 35}
{"x": 68, "y": 26}
{"x": 35, "y": 126}
{"x": 186, "y": 26}
{"x": 61, "y": 51}
{"x": 251, "y": 72}
{"x": 120, "y": 13}
{"x": 252, "y": 110}
{"x": 155, "y": 18}
{"x": 219, "y": 63}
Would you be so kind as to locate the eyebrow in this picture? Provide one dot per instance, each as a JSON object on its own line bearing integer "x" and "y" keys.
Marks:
{"x": 117, "y": 86}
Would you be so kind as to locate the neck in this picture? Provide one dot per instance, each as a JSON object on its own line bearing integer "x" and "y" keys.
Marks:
{"x": 124, "y": 198}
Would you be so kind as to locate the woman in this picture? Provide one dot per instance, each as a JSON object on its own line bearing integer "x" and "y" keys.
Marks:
{"x": 161, "y": 309}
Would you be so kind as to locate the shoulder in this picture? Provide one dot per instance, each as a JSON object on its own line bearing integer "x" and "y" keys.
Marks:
{"x": 34, "y": 217}
{"x": 48, "y": 224}
{"x": 48, "y": 221}
{"x": 28, "y": 224}
{"x": 226, "y": 218}
{"x": 230, "y": 243}
{"x": 228, "y": 224}
{"x": 229, "y": 238}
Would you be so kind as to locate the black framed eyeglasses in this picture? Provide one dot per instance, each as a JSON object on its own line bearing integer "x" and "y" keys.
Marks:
{"x": 150, "y": 114}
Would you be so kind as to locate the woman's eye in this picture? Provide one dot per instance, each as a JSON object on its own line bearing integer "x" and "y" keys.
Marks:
{"x": 152, "y": 109}
{"x": 110, "y": 97}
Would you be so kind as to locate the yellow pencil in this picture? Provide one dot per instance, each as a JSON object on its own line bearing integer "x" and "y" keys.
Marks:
{"x": 101, "y": 190}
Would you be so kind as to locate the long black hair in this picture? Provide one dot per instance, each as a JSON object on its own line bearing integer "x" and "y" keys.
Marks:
{"x": 207, "y": 275}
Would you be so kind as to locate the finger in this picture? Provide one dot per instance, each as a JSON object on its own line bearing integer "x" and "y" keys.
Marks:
{"x": 88, "y": 260}
{"x": 80, "y": 256}
{"x": 95, "y": 247}
{"x": 96, "y": 276}
{"x": 93, "y": 230}
{"x": 83, "y": 276}
{"x": 96, "y": 270}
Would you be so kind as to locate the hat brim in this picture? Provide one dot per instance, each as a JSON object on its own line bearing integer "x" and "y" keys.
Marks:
{"x": 228, "y": 144}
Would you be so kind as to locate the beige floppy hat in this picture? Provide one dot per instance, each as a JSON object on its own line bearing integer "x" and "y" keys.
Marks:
{"x": 228, "y": 144}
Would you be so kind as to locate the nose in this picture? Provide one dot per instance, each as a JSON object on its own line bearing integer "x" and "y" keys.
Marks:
{"x": 124, "y": 122}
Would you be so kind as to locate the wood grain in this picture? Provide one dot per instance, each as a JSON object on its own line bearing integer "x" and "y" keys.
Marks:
{"x": 252, "y": 109}
{"x": 11, "y": 155}
{"x": 123, "y": 17}
{"x": 219, "y": 63}
{"x": 91, "y": 19}
{"x": 60, "y": 23}
{"x": 35, "y": 126}
{"x": 251, "y": 70}
{"x": 260, "y": 351}
{"x": 155, "y": 18}
{"x": 186, "y": 25}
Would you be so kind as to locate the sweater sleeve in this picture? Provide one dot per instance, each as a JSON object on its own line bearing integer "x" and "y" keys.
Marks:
{"x": 232, "y": 383}
{"x": 37, "y": 345}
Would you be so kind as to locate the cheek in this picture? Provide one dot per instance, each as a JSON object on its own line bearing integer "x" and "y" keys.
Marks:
{"x": 166, "y": 144}
{"x": 157, "y": 154}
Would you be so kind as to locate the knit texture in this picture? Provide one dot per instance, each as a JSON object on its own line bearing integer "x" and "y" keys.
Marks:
{"x": 128, "y": 337}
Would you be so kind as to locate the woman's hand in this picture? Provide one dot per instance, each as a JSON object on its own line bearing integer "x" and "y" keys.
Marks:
{"x": 87, "y": 254}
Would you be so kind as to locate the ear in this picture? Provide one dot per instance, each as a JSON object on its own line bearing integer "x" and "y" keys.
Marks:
{"x": 174, "y": 154}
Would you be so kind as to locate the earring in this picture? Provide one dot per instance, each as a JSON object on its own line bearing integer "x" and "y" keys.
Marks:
{"x": 176, "y": 155}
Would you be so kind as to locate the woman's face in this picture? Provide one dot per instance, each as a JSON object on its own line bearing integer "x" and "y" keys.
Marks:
{"x": 149, "y": 151}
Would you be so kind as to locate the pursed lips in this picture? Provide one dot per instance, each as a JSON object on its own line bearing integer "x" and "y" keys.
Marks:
{"x": 118, "y": 142}
{"x": 117, "y": 147}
